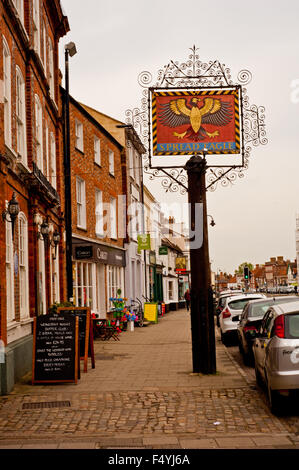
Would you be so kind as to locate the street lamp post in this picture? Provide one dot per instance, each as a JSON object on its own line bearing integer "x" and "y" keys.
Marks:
{"x": 70, "y": 50}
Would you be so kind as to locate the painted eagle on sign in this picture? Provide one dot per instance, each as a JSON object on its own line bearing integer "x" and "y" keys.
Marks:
{"x": 197, "y": 112}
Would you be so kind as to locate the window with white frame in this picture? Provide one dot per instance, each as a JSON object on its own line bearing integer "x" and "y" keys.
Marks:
{"x": 53, "y": 177}
{"x": 45, "y": 47}
{"x": 81, "y": 203}
{"x": 39, "y": 134}
{"x": 20, "y": 116}
{"x": 54, "y": 273}
{"x": 36, "y": 25}
{"x": 7, "y": 92}
{"x": 170, "y": 290}
{"x": 51, "y": 68}
{"x": 23, "y": 266}
{"x": 97, "y": 150}
{"x": 115, "y": 281}
{"x": 85, "y": 284}
{"x": 99, "y": 212}
{"x": 133, "y": 212}
{"x": 10, "y": 303}
{"x": 131, "y": 159}
{"x": 41, "y": 279}
{"x": 113, "y": 221}
{"x": 79, "y": 135}
{"x": 111, "y": 162}
{"x": 137, "y": 167}
{"x": 47, "y": 171}
{"x": 19, "y": 4}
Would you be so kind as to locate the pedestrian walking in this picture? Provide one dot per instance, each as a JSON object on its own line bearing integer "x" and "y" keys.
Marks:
{"x": 187, "y": 298}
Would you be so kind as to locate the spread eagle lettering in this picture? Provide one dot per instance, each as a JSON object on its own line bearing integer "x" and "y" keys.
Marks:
{"x": 179, "y": 112}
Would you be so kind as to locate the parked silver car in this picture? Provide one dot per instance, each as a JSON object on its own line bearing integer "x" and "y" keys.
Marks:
{"x": 276, "y": 352}
{"x": 231, "y": 312}
{"x": 251, "y": 320}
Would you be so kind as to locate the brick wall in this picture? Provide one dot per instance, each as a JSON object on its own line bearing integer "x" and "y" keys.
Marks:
{"x": 95, "y": 176}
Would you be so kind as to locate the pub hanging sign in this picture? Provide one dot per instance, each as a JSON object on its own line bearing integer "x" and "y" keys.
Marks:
{"x": 184, "y": 122}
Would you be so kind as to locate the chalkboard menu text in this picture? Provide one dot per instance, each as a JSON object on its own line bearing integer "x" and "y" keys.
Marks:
{"x": 55, "y": 348}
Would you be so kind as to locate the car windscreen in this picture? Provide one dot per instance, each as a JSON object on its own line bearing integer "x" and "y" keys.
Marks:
{"x": 292, "y": 325}
{"x": 259, "y": 310}
{"x": 238, "y": 304}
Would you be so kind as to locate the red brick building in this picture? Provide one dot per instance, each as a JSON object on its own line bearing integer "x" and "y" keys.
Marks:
{"x": 31, "y": 156}
{"x": 98, "y": 169}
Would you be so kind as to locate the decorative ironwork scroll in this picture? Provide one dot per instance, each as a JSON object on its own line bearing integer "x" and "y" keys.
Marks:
{"x": 196, "y": 74}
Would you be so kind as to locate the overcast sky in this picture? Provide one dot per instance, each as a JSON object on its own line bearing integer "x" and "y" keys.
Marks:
{"x": 116, "y": 40}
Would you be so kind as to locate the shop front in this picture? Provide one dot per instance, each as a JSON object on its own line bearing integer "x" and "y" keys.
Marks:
{"x": 98, "y": 272}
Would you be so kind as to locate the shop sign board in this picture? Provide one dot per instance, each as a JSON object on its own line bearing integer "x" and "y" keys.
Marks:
{"x": 180, "y": 264}
{"x": 144, "y": 241}
{"x": 84, "y": 252}
{"x": 151, "y": 312}
{"x": 195, "y": 120}
{"x": 163, "y": 250}
{"x": 86, "y": 346}
{"x": 100, "y": 254}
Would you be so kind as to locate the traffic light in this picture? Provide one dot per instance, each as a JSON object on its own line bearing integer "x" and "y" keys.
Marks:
{"x": 246, "y": 273}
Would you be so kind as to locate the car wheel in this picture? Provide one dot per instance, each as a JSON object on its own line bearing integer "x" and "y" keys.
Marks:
{"x": 275, "y": 400}
{"x": 224, "y": 338}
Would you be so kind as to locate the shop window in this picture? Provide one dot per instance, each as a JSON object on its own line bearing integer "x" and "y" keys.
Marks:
{"x": 84, "y": 285}
{"x": 115, "y": 281}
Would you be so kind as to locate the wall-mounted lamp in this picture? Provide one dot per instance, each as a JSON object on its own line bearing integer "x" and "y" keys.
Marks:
{"x": 212, "y": 223}
{"x": 12, "y": 210}
{"x": 55, "y": 241}
{"x": 47, "y": 232}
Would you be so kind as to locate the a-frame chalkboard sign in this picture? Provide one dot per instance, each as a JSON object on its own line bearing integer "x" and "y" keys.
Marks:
{"x": 86, "y": 346}
{"x": 55, "y": 355}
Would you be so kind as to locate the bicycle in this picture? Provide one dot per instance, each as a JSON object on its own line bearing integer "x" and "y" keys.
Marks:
{"x": 136, "y": 307}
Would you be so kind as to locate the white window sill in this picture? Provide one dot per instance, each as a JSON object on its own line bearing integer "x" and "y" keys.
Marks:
{"x": 12, "y": 324}
{"x": 25, "y": 321}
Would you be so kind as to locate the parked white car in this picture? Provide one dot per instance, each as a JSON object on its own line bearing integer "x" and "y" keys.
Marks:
{"x": 231, "y": 313}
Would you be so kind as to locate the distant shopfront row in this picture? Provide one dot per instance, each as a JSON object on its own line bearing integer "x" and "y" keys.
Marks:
{"x": 98, "y": 272}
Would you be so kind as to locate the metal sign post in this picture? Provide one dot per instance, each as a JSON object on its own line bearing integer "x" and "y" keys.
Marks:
{"x": 202, "y": 313}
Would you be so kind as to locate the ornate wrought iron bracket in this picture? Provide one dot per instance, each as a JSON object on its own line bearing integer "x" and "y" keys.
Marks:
{"x": 197, "y": 74}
